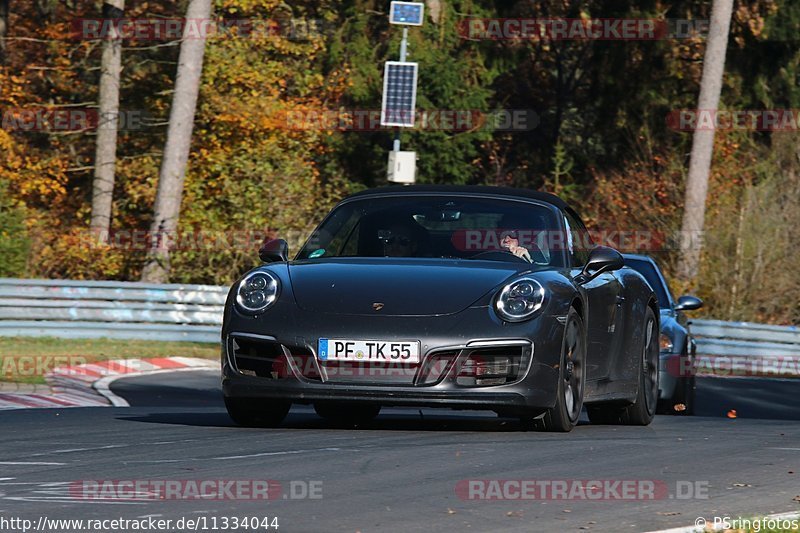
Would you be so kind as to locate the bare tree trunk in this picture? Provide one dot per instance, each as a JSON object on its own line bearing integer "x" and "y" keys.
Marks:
{"x": 738, "y": 276}
{"x": 176, "y": 150}
{"x": 703, "y": 140}
{"x": 3, "y": 29}
{"x": 434, "y": 8}
{"x": 106, "y": 147}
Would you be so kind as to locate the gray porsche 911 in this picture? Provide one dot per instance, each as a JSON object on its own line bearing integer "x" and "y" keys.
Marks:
{"x": 442, "y": 296}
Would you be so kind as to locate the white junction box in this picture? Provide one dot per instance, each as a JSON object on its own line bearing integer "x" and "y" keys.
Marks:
{"x": 402, "y": 167}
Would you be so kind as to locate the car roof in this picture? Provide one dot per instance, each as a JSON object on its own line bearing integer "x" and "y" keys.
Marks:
{"x": 464, "y": 190}
{"x": 640, "y": 257}
{"x": 659, "y": 273}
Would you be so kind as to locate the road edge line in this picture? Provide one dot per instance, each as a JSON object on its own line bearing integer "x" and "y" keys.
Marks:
{"x": 103, "y": 385}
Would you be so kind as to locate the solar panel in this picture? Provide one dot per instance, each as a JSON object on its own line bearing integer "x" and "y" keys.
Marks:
{"x": 399, "y": 94}
{"x": 406, "y": 13}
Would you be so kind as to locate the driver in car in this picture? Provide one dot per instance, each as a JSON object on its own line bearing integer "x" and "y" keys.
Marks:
{"x": 511, "y": 243}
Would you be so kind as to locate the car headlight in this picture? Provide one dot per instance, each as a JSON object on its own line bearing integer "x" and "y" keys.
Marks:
{"x": 257, "y": 291}
{"x": 665, "y": 343}
{"x": 519, "y": 300}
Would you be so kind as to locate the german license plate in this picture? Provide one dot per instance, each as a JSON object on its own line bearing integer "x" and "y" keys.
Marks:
{"x": 368, "y": 351}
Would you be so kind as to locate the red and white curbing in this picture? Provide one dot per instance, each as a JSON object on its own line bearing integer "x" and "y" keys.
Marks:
{"x": 88, "y": 385}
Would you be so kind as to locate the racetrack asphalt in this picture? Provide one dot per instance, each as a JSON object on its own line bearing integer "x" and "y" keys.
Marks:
{"x": 400, "y": 473}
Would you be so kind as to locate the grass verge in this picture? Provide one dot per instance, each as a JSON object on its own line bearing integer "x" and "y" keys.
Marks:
{"x": 27, "y": 359}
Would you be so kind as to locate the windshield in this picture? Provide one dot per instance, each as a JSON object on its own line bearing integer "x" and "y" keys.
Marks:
{"x": 646, "y": 269}
{"x": 429, "y": 226}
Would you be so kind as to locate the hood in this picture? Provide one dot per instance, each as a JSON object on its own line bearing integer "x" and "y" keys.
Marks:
{"x": 405, "y": 287}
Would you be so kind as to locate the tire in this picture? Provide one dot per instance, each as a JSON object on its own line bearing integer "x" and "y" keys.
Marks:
{"x": 643, "y": 409}
{"x": 563, "y": 416}
{"x": 347, "y": 413}
{"x": 252, "y": 412}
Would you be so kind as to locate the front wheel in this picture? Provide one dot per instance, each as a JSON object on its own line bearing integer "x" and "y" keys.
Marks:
{"x": 563, "y": 416}
{"x": 643, "y": 409}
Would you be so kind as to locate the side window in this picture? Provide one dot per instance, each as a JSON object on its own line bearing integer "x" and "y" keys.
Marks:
{"x": 348, "y": 248}
{"x": 579, "y": 242}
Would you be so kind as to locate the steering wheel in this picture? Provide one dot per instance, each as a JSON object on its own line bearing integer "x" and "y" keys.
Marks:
{"x": 493, "y": 255}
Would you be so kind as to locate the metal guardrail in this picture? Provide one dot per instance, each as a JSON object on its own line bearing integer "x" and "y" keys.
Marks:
{"x": 743, "y": 349}
{"x": 715, "y": 337}
{"x": 110, "y": 309}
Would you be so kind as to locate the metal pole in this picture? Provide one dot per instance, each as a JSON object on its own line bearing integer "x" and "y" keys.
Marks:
{"x": 403, "y": 54}
{"x": 403, "y": 44}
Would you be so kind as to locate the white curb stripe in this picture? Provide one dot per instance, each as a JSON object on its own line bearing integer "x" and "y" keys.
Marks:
{"x": 76, "y": 387}
{"x": 195, "y": 362}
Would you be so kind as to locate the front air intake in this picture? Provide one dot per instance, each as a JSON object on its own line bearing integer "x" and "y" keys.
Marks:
{"x": 265, "y": 358}
{"x": 489, "y": 366}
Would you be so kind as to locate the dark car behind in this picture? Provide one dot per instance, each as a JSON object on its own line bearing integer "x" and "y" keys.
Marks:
{"x": 678, "y": 347}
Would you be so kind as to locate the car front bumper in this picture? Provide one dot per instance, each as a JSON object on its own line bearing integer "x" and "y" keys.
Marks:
{"x": 503, "y": 397}
{"x": 533, "y": 388}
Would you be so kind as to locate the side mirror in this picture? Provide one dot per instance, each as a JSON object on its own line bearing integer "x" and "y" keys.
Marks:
{"x": 688, "y": 303}
{"x": 602, "y": 259}
{"x": 273, "y": 251}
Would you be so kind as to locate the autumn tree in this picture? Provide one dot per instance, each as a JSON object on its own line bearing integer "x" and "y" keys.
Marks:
{"x": 176, "y": 150}
{"x": 703, "y": 142}
{"x": 108, "y": 111}
{"x": 3, "y": 29}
